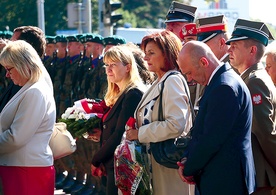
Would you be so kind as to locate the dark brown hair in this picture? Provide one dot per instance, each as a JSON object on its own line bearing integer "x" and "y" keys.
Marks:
{"x": 34, "y": 36}
{"x": 169, "y": 44}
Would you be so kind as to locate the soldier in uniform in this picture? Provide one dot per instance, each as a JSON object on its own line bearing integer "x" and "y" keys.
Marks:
{"x": 4, "y": 82}
{"x": 188, "y": 32}
{"x": 50, "y": 55}
{"x": 58, "y": 80}
{"x": 213, "y": 32}
{"x": 67, "y": 98}
{"x": 178, "y": 15}
{"x": 94, "y": 83}
{"x": 81, "y": 153}
{"x": 67, "y": 89}
{"x": 247, "y": 46}
{"x": 60, "y": 69}
{"x": 6, "y": 34}
{"x": 90, "y": 88}
{"x": 112, "y": 40}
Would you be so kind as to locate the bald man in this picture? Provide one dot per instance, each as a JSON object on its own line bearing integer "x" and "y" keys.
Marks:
{"x": 219, "y": 159}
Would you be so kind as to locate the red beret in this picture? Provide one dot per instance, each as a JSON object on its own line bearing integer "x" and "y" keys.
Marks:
{"x": 188, "y": 29}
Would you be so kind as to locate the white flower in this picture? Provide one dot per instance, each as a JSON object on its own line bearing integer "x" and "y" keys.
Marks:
{"x": 76, "y": 112}
{"x": 68, "y": 112}
{"x": 81, "y": 115}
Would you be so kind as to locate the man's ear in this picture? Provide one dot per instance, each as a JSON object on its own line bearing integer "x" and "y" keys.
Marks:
{"x": 222, "y": 42}
{"x": 203, "y": 62}
{"x": 253, "y": 49}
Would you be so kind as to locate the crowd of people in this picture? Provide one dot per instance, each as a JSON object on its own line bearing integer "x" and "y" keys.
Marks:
{"x": 230, "y": 88}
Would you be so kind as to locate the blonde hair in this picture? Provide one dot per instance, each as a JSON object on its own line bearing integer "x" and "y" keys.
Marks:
{"x": 24, "y": 58}
{"x": 121, "y": 54}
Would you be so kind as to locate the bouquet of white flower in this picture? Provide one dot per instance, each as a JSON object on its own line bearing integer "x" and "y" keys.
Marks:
{"x": 83, "y": 119}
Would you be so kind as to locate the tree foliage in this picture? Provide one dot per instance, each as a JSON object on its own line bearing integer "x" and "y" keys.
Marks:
{"x": 138, "y": 13}
{"x": 14, "y": 13}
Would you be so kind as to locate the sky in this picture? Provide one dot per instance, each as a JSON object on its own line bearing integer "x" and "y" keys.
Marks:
{"x": 263, "y": 10}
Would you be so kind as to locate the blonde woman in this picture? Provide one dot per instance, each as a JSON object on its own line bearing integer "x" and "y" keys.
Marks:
{"x": 26, "y": 124}
{"x": 125, "y": 89}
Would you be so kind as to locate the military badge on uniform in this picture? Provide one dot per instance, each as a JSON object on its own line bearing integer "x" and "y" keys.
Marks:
{"x": 257, "y": 99}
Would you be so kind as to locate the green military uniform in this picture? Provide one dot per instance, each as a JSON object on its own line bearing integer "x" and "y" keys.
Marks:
{"x": 67, "y": 96}
{"x": 49, "y": 61}
{"x": 58, "y": 80}
{"x": 59, "y": 76}
{"x": 67, "y": 93}
{"x": 4, "y": 81}
{"x": 89, "y": 84}
{"x": 263, "y": 94}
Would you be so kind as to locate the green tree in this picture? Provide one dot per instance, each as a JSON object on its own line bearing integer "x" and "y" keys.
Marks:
{"x": 139, "y": 13}
{"x": 146, "y": 13}
{"x": 16, "y": 13}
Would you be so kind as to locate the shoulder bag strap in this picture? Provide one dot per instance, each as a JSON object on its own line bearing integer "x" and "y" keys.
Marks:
{"x": 160, "y": 109}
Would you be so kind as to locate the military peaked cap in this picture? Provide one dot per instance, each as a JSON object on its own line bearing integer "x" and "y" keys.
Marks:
{"x": 245, "y": 29}
{"x": 179, "y": 12}
{"x": 209, "y": 27}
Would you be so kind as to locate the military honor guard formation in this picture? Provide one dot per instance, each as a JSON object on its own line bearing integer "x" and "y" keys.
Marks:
{"x": 193, "y": 78}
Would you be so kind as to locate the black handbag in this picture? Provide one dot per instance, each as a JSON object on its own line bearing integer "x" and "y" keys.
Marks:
{"x": 169, "y": 152}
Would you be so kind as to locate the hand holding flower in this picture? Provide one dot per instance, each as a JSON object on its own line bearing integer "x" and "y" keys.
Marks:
{"x": 132, "y": 134}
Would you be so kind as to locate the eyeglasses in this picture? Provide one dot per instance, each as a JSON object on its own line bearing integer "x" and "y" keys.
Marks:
{"x": 9, "y": 70}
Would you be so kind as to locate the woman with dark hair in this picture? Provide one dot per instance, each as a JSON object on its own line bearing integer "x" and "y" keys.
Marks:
{"x": 161, "y": 51}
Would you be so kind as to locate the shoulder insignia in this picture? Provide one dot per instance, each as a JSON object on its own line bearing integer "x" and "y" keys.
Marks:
{"x": 257, "y": 99}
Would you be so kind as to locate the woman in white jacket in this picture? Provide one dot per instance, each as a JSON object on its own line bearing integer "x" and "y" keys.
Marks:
{"x": 26, "y": 124}
{"x": 161, "y": 51}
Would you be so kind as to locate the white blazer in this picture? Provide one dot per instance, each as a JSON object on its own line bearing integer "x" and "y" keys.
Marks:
{"x": 176, "y": 111}
{"x": 177, "y": 115}
{"x": 26, "y": 124}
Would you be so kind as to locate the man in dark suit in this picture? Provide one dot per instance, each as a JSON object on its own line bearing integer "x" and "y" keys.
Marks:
{"x": 249, "y": 38}
{"x": 219, "y": 158}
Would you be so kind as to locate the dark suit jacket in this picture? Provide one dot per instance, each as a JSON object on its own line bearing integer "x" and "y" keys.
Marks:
{"x": 114, "y": 126}
{"x": 220, "y": 153}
